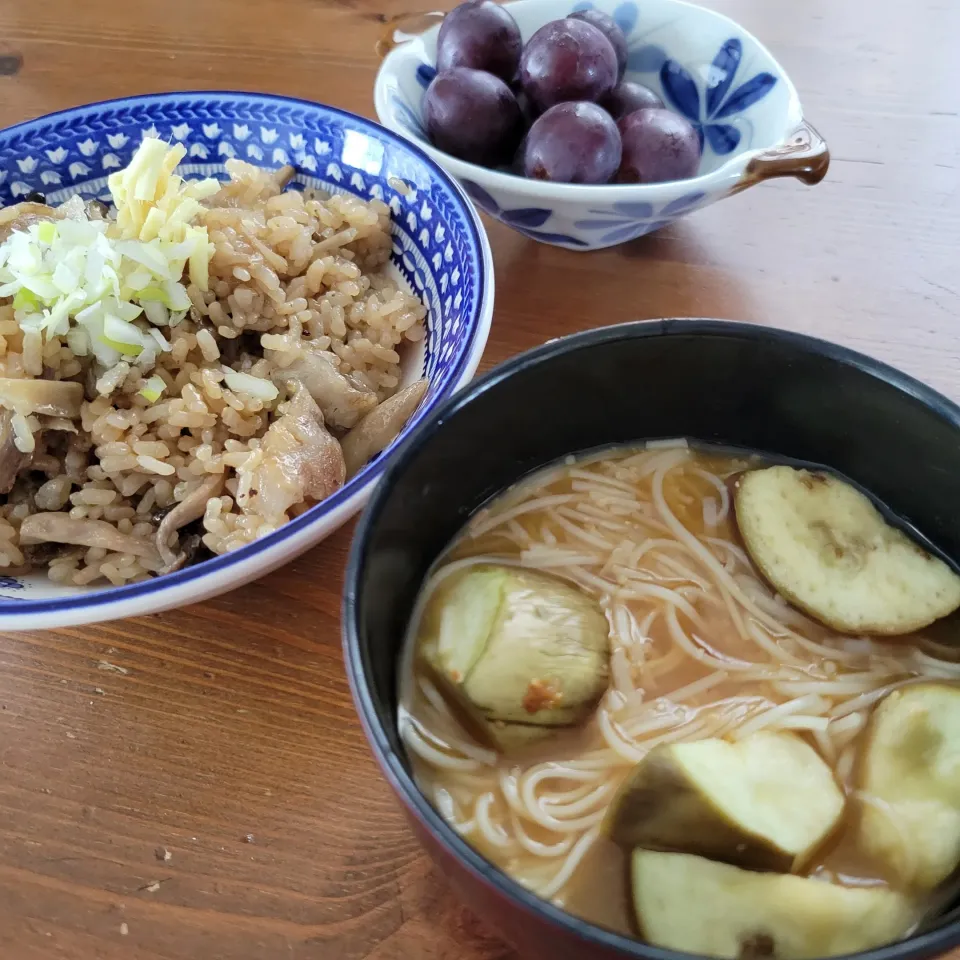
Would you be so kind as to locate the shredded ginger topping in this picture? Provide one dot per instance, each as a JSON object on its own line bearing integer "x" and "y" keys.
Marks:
{"x": 106, "y": 287}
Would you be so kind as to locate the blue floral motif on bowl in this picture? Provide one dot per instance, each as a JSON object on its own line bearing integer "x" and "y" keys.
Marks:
{"x": 625, "y": 16}
{"x": 681, "y": 91}
{"x": 526, "y": 220}
{"x": 628, "y": 221}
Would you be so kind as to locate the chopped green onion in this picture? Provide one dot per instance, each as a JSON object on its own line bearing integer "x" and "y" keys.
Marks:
{"x": 89, "y": 280}
{"x": 46, "y": 231}
{"x": 25, "y": 299}
{"x": 122, "y": 335}
{"x": 152, "y": 389}
{"x": 127, "y": 349}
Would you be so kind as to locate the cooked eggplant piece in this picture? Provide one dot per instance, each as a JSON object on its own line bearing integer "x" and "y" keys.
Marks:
{"x": 714, "y": 909}
{"x": 765, "y": 802}
{"x": 909, "y": 779}
{"x": 465, "y": 608}
{"x": 826, "y": 548}
{"x": 517, "y": 648}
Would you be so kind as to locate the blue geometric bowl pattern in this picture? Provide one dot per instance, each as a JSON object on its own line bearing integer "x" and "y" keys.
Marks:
{"x": 703, "y": 65}
{"x": 438, "y": 248}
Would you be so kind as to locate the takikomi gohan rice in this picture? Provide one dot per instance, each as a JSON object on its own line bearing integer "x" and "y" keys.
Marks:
{"x": 189, "y": 375}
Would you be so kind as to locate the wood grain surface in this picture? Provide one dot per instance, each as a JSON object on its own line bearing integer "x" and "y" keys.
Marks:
{"x": 195, "y": 784}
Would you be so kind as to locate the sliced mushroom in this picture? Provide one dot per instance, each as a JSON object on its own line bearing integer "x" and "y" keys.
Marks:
{"x": 379, "y": 428}
{"x": 22, "y": 216}
{"x": 60, "y": 424}
{"x": 190, "y": 549}
{"x": 62, "y": 528}
{"x": 342, "y": 399}
{"x": 12, "y": 460}
{"x": 96, "y": 210}
{"x": 188, "y": 510}
{"x": 54, "y": 398}
{"x": 284, "y": 175}
{"x": 300, "y": 459}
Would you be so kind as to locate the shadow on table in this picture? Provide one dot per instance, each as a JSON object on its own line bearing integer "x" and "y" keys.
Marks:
{"x": 545, "y": 292}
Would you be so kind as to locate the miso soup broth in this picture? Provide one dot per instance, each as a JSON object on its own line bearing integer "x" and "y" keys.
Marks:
{"x": 698, "y": 647}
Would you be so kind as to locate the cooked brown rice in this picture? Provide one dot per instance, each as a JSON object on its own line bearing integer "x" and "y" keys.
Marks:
{"x": 293, "y": 275}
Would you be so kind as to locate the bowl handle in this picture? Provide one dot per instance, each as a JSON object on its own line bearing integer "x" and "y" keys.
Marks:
{"x": 804, "y": 155}
{"x": 405, "y": 26}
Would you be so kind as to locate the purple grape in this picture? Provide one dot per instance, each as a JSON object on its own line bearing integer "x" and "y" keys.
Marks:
{"x": 481, "y": 35}
{"x": 608, "y": 27}
{"x": 658, "y": 145}
{"x": 567, "y": 60}
{"x": 627, "y": 98}
{"x": 472, "y": 115}
{"x": 572, "y": 143}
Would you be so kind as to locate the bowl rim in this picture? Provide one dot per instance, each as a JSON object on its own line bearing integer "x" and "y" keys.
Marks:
{"x": 612, "y": 192}
{"x": 935, "y": 942}
{"x": 92, "y": 604}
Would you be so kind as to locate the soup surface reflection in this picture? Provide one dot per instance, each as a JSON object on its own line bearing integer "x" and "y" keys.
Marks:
{"x": 700, "y": 647}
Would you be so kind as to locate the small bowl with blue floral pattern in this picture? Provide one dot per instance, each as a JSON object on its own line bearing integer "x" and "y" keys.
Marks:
{"x": 439, "y": 252}
{"x": 703, "y": 66}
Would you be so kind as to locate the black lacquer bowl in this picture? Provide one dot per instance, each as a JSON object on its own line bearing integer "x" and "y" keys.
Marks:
{"x": 730, "y": 383}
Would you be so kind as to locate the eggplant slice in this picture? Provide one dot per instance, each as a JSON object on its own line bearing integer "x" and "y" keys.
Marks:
{"x": 766, "y": 802}
{"x": 521, "y": 651}
{"x": 827, "y": 549}
{"x": 713, "y": 909}
{"x": 910, "y": 784}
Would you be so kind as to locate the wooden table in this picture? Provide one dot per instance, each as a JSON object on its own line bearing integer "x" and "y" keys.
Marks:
{"x": 195, "y": 784}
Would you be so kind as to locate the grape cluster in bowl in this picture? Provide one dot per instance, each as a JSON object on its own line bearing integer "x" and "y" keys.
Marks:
{"x": 557, "y": 109}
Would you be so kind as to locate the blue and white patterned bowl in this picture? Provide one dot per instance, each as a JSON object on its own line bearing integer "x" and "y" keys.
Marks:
{"x": 702, "y": 64}
{"x": 440, "y": 252}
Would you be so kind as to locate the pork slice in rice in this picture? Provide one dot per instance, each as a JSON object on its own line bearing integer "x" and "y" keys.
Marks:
{"x": 343, "y": 400}
{"x": 22, "y": 216}
{"x": 298, "y": 460}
